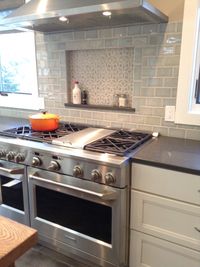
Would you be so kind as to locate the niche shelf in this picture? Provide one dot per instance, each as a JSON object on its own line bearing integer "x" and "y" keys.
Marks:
{"x": 100, "y": 107}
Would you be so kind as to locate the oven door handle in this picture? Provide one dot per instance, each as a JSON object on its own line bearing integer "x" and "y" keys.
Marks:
{"x": 12, "y": 171}
{"x": 12, "y": 183}
{"x": 106, "y": 195}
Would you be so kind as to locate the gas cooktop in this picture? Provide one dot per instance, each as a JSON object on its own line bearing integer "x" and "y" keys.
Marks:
{"x": 25, "y": 132}
{"x": 117, "y": 142}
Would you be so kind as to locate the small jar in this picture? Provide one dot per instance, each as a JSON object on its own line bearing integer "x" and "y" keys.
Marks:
{"x": 116, "y": 100}
{"x": 122, "y": 100}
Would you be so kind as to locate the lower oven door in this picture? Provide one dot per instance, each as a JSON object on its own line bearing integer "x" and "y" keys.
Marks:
{"x": 80, "y": 217}
{"x": 14, "y": 192}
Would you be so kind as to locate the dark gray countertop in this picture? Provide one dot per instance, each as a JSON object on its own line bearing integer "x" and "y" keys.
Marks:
{"x": 171, "y": 153}
{"x": 10, "y": 122}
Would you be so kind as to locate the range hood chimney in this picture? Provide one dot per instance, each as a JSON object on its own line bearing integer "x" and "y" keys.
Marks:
{"x": 71, "y": 15}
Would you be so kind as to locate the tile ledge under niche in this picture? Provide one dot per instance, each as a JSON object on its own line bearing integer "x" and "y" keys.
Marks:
{"x": 100, "y": 107}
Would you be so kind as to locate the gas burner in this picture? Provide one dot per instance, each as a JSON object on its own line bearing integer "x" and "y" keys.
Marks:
{"x": 119, "y": 143}
{"x": 25, "y": 132}
{"x": 126, "y": 135}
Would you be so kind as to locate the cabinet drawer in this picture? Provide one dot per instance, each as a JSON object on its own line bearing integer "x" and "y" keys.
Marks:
{"x": 177, "y": 185}
{"x": 165, "y": 218}
{"x": 146, "y": 250}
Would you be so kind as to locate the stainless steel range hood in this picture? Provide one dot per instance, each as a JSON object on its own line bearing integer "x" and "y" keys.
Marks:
{"x": 6, "y": 8}
{"x": 43, "y": 15}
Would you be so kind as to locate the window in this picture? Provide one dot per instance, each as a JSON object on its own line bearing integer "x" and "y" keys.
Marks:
{"x": 18, "y": 73}
{"x": 17, "y": 61}
{"x": 188, "y": 94}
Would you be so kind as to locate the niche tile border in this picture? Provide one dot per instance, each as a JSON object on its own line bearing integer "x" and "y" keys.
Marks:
{"x": 102, "y": 73}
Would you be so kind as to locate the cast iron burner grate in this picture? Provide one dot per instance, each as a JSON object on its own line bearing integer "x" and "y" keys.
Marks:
{"x": 119, "y": 143}
{"x": 25, "y": 132}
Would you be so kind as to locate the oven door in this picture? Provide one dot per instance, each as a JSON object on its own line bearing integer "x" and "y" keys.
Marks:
{"x": 80, "y": 217}
{"x": 14, "y": 192}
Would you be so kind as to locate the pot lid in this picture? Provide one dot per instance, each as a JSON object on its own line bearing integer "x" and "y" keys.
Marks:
{"x": 44, "y": 115}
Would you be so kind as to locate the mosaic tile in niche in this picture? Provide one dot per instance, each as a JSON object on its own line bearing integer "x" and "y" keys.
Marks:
{"x": 102, "y": 73}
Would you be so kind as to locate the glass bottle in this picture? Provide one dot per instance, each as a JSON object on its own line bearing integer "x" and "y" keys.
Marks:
{"x": 84, "y": 97}
{"x": 76, "y": 94}
{"x": 122, "y": 100}
{"x": 116, "y": 100}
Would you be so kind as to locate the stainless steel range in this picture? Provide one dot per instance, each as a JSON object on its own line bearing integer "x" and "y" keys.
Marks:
{"x": 77, "y": 179}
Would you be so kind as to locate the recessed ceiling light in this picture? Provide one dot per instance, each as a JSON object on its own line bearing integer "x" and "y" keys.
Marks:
{"x": 64, "y": 19}
{"x": 107, "y": 13}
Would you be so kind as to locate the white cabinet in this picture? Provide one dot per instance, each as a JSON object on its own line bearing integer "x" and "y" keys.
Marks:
{"x": 168, "y": 183}
{"x": 165, "y": 218}
{"x": 149, "y": 251}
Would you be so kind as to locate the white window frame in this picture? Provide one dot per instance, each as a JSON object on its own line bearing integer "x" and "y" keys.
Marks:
{"x": 187, "y": 111}
{"x": 20, "y": 101}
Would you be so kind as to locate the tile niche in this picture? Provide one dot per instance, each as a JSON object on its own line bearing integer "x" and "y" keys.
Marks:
{"x": 102, "y": 73}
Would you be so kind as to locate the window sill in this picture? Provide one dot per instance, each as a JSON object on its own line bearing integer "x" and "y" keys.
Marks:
{"x": 22, "y": 102}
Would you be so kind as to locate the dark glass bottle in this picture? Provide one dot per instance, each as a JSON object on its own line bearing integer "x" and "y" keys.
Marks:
{"x": 84, "y": 97}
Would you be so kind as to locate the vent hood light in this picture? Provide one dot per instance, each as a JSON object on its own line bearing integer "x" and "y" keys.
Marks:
{"x": 45, "y": 15}
{"x": 64, "y": 19}
{"x": 107, "y": 13}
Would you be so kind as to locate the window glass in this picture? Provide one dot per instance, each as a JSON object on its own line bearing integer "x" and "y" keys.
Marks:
{"x": 188, "y": 92}
{"x": 18, "y": 63}
{"x": 197, "y": 91}
{"x": 196, "y": 84}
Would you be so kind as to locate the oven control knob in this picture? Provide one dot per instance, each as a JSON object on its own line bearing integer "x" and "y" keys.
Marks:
{"x": 19, "y": 158}
{"x": 36, "y": 162}
{"x": 77, "y": 171}
{"x": 110, "y": 179}
{"x": 96, "y": 175}
{"x": 10, "y": 155}
{"x": 54, "y": 166}
{"x": 2, "y": 153}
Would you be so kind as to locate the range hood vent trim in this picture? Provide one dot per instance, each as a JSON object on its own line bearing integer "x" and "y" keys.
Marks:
{"x": 4, "y": 29}
{"x": 85, "y": 14}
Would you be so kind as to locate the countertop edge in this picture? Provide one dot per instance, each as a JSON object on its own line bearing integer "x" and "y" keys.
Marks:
{"x": 166, "y": 166}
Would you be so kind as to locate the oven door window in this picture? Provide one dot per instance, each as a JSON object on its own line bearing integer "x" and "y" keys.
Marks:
{"x": 86, "y": 217}
{"x": 11, "y": 192}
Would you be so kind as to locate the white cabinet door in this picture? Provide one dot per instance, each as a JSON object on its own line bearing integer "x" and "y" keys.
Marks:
{"x": 148, "y": 251}
{"x": 165, "y": 218}
{"x": 172, "y": 184}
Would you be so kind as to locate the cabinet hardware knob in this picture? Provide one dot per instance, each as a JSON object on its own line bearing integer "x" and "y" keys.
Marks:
{"x": 199, "y": 190}
{"x": 197, "y": 229}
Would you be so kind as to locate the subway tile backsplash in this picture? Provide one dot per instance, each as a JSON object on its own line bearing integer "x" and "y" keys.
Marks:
{"x": 152, "y": 53}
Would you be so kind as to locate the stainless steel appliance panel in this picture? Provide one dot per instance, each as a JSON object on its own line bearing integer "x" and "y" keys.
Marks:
{"x": 14, "y": 192}
{"x": 99, "y": 234}
{"x": 83, "y": 14}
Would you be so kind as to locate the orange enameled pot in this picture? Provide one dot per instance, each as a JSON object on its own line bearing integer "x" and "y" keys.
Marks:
{"x": 44, "y": 121}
